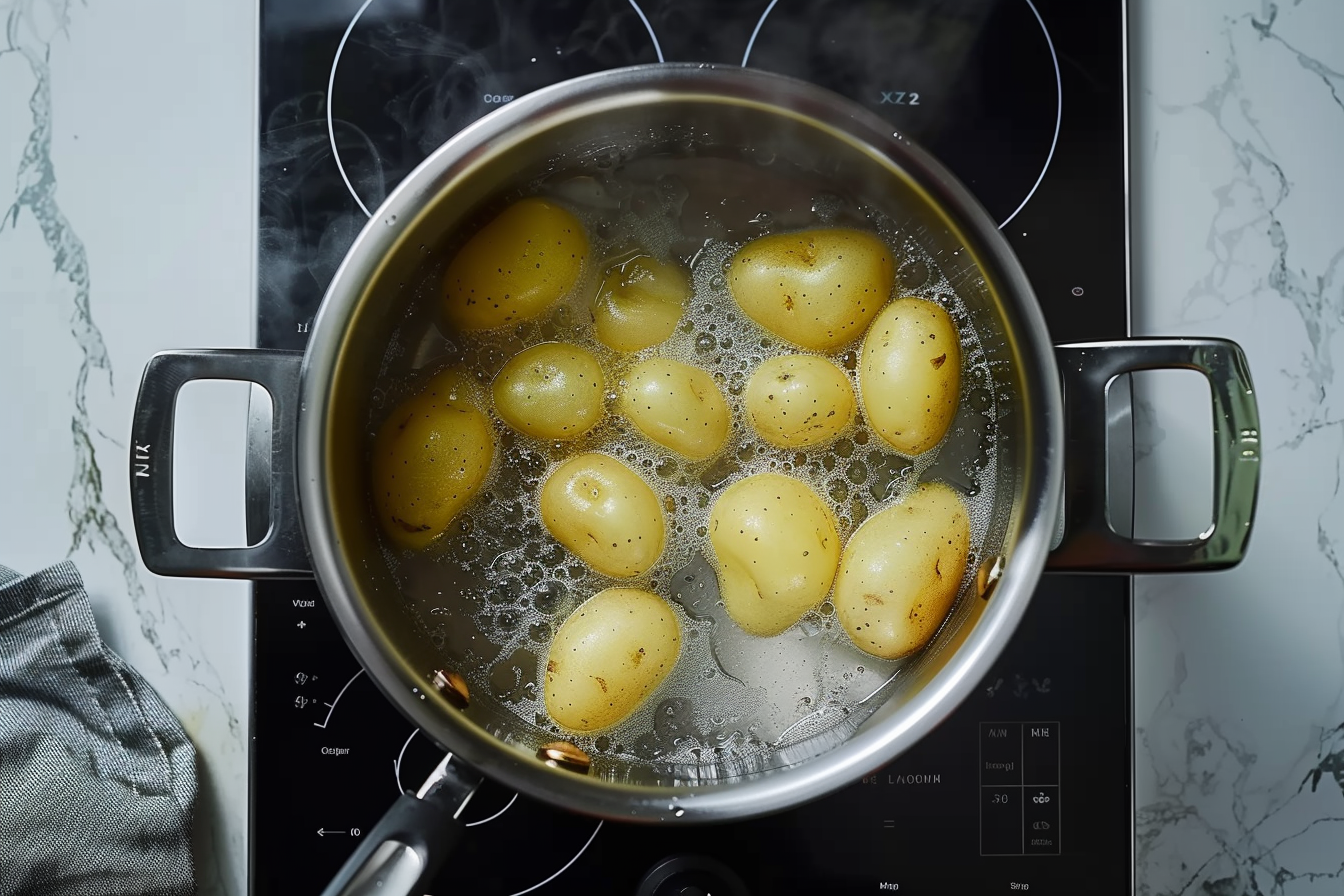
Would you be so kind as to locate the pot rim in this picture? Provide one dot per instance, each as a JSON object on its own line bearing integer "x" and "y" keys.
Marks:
{"x": 872, "y": 745}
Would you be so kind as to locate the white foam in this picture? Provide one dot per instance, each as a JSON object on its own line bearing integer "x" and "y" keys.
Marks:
{"x": 731, "y": 695}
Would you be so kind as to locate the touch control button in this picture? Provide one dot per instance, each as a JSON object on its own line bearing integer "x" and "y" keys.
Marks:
{"x": 1001, "y": 821}
{"x": 1001, "y": 753}
{"x": 1040, "y": 753}
{"x": 1041, "y": 817}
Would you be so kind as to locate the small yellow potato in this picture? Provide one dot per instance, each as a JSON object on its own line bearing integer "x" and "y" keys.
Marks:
{"x": 515, "y": 267}
{"x": 795, "y": 401}
{"x": 430, "y": 457}
{"x": 676, "y": 405}
{"x": 608, "y": 657}
{"x": 910, "y": 374}
{"x": 551, "y": 391}
{"x": 818, "y": 288}
{"x": 639, "y": 303}
{"x": 605, "y": 513}
{"x": 776, "y": 551}
{"x": 902, "y": 570}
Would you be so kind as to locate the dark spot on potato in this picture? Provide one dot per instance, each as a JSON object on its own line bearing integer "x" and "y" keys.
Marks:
{"x": 601, "y": 682}
{"x": 939, "y": 361}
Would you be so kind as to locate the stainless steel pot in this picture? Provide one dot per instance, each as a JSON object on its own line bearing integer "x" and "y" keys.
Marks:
{"x": 1051, "y": 471}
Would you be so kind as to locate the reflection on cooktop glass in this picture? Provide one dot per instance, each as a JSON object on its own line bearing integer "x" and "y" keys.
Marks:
{"x": 1026, "y": 785}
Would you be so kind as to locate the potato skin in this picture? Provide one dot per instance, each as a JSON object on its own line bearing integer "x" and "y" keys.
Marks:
{"x": 639, "y": 303}
{"x": 775, "y": 549}
{"x": 902, "y": 570}
{"x": 796, "y": 401}
{"x": 676, "y": 405}
{"x": 817, "y": 288}
{"x": 515, "y": 267}
{"x": 430, "y": 458}
{"x": 601, "y": 510}
{"x": 551, "y": 391}
{"x": 608, "y": 656}
{"x": 910, "y": 374}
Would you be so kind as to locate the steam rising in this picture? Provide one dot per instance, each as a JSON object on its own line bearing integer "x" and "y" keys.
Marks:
{"x": 494, "y": 590}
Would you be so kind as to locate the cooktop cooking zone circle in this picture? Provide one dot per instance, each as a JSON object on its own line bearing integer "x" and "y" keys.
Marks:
{"x": 495, "y": 815}
{"x": 351, "y": 727}
{"x": 995, "y": 122}
{"x": 400, "y": 86}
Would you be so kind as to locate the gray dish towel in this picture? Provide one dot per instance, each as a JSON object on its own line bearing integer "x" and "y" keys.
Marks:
{"x": 97, "y": 778}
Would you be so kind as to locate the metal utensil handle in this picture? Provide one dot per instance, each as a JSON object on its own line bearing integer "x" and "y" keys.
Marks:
{"x": 281, "y": 553}
{"x": 1089, "y": 543}
{"x": 402, "y": 854}
{"x": 410, "y": 843}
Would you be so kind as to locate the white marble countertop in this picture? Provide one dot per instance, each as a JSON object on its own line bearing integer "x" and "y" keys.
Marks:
{"x": 129, "y": 213}
{"x": 1236, "y": 147}
{"x": 132, "y": 229}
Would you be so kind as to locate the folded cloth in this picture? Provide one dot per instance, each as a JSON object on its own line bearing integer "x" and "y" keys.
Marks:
{"x": 97, "y": 778}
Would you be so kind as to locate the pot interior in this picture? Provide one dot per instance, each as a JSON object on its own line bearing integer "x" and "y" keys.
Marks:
{"x": 690, "y": 174}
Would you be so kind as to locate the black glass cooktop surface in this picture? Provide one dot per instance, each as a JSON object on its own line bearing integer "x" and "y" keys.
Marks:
{"x": 1027, "y": 785}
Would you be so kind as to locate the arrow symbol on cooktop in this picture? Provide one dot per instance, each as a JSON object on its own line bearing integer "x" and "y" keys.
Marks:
{"x": 322, "y": 832}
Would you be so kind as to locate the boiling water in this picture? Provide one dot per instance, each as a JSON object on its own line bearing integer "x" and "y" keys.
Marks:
{"x": 493, "y": 590}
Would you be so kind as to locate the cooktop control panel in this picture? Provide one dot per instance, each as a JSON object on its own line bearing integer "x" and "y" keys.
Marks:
{"x": 1019, "y": 788}
{"x": 1026, "y": 784}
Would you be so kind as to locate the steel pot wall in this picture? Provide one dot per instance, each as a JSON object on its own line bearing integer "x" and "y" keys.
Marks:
{"x": 319, "y": 505}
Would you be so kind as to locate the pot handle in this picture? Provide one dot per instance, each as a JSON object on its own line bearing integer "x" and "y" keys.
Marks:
{"x": 1089, "y": 544}
{"x": 281, "y": 553}
{"x": 410, "y": 843}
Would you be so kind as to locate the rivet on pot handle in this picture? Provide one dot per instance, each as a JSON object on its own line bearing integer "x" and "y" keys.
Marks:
{"x": 281, "y": 553}
{"x": 1089, "y": 544}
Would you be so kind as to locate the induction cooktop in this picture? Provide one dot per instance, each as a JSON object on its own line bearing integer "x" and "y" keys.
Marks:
{"x": 1027, "y": 786}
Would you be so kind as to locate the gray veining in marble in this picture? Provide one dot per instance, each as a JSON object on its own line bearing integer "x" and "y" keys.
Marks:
{"x": 1239, "y": 231}
{"x": 35, "y": 193}
{"x": 1238, "y": 140}
{"x": 31, "y": 30}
